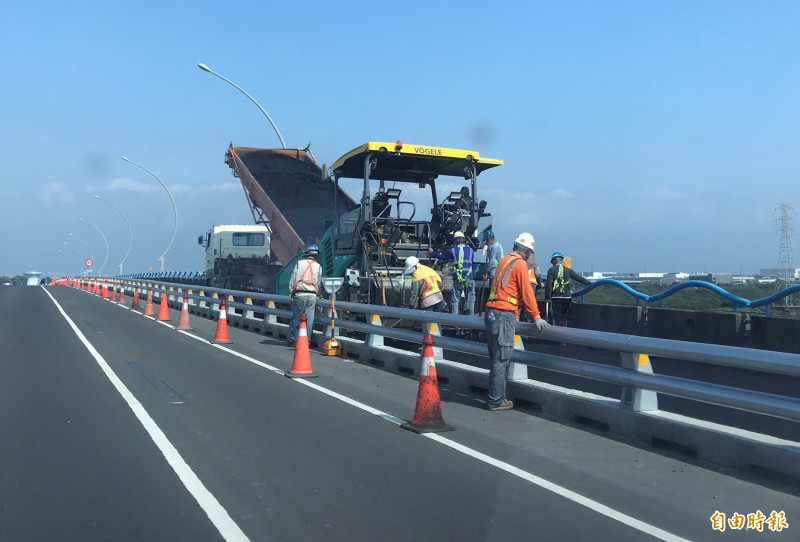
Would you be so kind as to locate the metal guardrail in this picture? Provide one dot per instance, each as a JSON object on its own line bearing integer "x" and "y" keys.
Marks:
{"x": 639, "y": 384}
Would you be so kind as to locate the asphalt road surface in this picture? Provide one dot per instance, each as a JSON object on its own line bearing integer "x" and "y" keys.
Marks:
{"x": 116, "y": 427}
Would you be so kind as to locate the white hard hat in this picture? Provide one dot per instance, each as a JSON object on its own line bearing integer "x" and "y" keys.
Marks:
{"x": 525, "y": 239}
{"x": 411, "y": 264}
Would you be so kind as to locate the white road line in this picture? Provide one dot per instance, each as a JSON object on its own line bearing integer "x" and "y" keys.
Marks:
{"x": 568, "y": 494}
{"x": 227, "y": 528}
{"x": 577, "y": 498}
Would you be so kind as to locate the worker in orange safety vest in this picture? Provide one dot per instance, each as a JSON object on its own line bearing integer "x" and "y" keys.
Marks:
{"x": 510, "y": 291}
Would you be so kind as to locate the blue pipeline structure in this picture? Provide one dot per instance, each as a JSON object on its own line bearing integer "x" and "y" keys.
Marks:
{"x": 736, "y": 300}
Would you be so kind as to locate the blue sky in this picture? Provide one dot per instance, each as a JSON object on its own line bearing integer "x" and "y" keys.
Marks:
{"x": 637, "y": 136}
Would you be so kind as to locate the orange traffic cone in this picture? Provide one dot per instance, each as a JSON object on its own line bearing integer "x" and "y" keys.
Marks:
{"x": 428, "y": 414}
{"x": 183, "y": 322}
{"x": 113, "y": 291}
{"x": 301, "y": 366}
{"x": 221, "y": 336}
{"x": 105, "y": 290}
{"x": 163, "y": 309}
{"x": 121, "y": 300}
{"x": 135, "y": 302}
{"x": 148, "y": 306}
{"x": 97, "y": 287}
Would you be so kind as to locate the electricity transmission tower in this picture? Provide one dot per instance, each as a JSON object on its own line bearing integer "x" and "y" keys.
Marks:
{"x": 785, "y": 258}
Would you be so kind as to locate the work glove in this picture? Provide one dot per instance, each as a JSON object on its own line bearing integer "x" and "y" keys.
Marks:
{"x": 540, "y": 324}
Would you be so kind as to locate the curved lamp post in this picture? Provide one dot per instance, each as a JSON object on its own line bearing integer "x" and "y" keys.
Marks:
{"x": 240, "y": 89}
{"x": 174, "y": 209}
{"x": 130, "y": 230}
{"x": 99, "y": 271}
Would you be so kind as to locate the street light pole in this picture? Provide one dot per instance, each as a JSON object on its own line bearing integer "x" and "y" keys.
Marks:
{"x": 100, "y": 271}
{"x": 174, "y": 209}
{"x": 212, "y": 72}
{"x": 130, "y": 230}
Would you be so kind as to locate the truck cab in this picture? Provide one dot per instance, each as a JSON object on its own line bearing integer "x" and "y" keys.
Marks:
{"x": 238, "y": 257}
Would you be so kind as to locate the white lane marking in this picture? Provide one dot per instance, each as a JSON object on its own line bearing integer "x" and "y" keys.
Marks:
{"x": 561, "y": 491}
{"x": 568, "y": 494}
{"x": 227, "y": 528}
{"x": 577, "y": 498}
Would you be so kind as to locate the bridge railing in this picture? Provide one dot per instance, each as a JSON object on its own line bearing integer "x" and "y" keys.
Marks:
{"x": 735, "y": 300}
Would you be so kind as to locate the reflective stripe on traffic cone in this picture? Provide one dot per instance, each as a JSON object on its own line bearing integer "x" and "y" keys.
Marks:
{"x": 183, "y": 322}
{"x": 428, "y": 413}
{"x": 148, "y": 305}
{"x": 221, "y": 336}
{"x": 163, "y": 309}
{"x": 301, "y": 366}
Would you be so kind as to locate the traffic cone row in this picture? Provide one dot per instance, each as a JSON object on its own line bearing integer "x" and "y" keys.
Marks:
{"x": 428, "y": 410}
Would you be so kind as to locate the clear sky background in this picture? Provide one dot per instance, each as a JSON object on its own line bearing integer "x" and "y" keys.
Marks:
{"x": 637, "y": 136}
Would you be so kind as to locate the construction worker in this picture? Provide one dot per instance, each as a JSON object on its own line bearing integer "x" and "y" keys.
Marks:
{"x": 494, "y": 253}
{"x": 426, "y": 286}
{"x": 304, "y": 287}
{"x": 557, "y": 290}
{"x": 510, "y": 291}
{"x": 462, "y": 256}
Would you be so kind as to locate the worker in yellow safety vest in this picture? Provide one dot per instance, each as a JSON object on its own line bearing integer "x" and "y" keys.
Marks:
{"x": 426, "y": 286}
{"x": 510, "y": 291}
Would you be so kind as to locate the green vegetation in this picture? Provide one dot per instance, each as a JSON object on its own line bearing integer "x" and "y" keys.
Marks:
{"x": 688, "y": 299}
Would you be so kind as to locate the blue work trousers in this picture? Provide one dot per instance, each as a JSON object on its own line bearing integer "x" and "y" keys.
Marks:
{"x": 500, "y": 339}
{"x": 468, "y": 287}
{"x": 303, "y": 303}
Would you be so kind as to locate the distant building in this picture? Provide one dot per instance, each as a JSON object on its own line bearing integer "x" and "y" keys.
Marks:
{"x": 779, "y": 273}
{"x": 722, "y": 278}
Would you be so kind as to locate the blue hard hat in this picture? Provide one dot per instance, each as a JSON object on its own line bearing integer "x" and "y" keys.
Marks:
{"x": 556, "y": 255}
{"x": 312, "y": 248}
{"x": 488, "y": 234}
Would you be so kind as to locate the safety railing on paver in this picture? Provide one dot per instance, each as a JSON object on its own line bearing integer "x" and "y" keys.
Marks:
{"x": 635, "y": 375}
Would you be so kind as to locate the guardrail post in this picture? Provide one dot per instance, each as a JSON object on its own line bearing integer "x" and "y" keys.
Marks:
{"x": 433, "y": 329}
{"x": 373, "y": 339}
{"x": 202, "y": 304}
{"x": 271, "y": 318}
{"x": 214, "y": 304}
{"x": 248, "y": 314}
{"x": 637, "y": 399}
{"x": 517, "y": 371}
